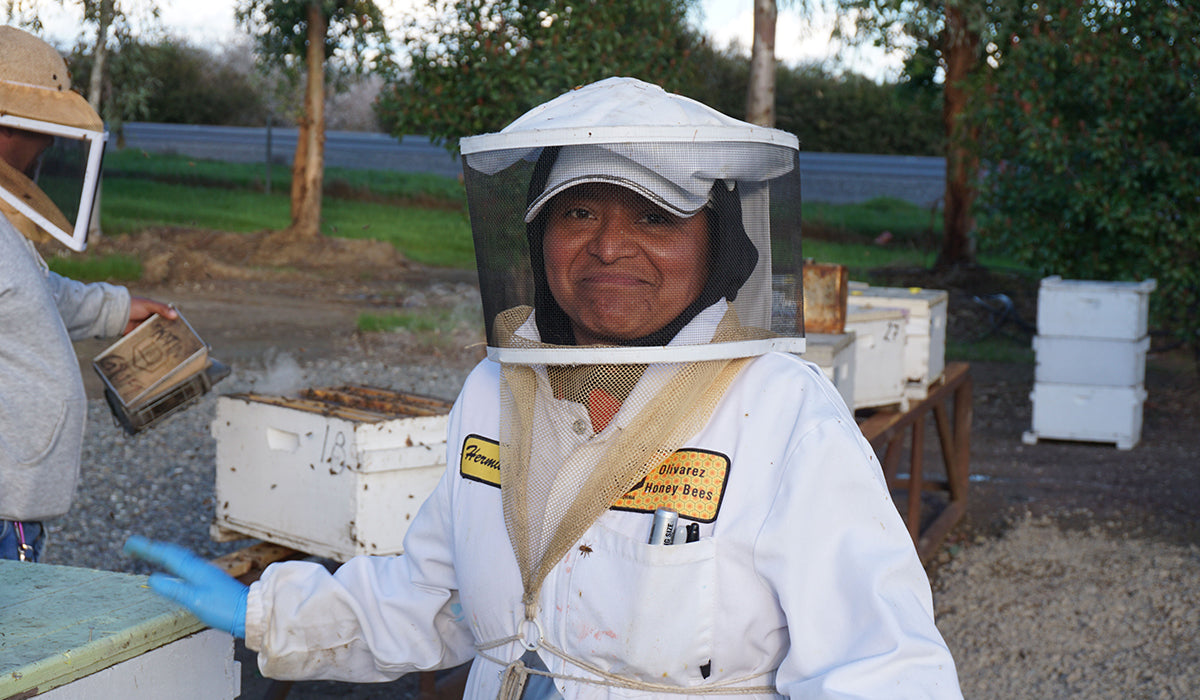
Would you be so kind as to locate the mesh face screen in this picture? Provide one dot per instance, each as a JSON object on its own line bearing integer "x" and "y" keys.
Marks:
{"x": 619, "y": 245}
{"x": 61, "y": 174}
{"x": 634, "y": 249}
{"x": 55, "y": 193}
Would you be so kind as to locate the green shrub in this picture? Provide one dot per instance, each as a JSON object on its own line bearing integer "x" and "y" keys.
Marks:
{"x": 1091, "y": 128}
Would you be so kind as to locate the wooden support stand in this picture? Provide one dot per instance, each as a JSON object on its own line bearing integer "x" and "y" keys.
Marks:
{"x": 887, "y": 431}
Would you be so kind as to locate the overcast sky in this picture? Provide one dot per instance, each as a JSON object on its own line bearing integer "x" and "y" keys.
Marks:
{"x": 797, "y": 39}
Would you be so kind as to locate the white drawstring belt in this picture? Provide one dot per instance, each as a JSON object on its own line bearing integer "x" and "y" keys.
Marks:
{"x": 516, "y": 673}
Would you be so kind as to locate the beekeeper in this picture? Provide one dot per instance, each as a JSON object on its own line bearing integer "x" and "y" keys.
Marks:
{"x": 42, "y": 399}
{"x": 638, "y": 258}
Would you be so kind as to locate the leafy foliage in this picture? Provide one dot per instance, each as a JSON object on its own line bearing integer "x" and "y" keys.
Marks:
{"x": 1092, "y": 129}
{"x": 478, "y": 64}
{"x": 357, "y": 38}
{"x": 835, "y": 113}
{"x": 176, "y": 83}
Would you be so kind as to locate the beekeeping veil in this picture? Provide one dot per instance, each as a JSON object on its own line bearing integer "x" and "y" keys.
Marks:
{"x": 36, "y": 96}
{"x": 580, "y": 425}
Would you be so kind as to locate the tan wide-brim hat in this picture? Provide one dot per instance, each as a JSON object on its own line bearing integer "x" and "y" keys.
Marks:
{"x": 35, "y": 83}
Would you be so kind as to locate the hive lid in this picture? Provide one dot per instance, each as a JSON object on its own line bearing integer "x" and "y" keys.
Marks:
{"x": 61, "y": 623}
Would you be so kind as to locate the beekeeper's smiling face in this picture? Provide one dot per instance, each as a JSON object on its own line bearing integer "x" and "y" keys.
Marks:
{"x": 620, "y": 266}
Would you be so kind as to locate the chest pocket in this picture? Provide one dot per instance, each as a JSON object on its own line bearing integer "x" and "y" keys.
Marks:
{"x": 641, "y": 611}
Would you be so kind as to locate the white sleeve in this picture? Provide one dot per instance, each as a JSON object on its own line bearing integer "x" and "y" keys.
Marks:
{"x": 856, "y": 598}
{"x": 374, "y": 619}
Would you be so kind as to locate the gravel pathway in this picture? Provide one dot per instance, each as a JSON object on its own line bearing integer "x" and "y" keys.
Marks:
{"x": 1047, "y": 613}
{"x": 1039, "y": 613}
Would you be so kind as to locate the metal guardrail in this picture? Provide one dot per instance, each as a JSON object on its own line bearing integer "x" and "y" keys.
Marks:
{"x": 836, "y": 178}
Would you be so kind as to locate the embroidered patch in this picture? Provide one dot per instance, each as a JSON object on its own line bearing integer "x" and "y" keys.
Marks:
{"x": 691, "y": 482}
{"x": 480, "y": 460}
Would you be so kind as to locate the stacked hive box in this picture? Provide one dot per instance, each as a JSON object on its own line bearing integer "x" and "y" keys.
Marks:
{"x": 1091, "y": 361}
{"x": 334, "y": 473}
{"x": 834, "y": 354}
{"x": 878, "y": 356}
{"x": 912, "y": 354}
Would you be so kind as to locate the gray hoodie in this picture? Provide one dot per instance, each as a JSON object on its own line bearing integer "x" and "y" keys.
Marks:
{"x": 42, "y": 401}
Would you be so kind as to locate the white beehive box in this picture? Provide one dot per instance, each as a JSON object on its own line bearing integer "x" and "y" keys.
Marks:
{"x": 1090, "y": 309}
{"x": 1087, "y": 413}
{"x": 334, "y": 474}
{"x": 879, "y": 339}
{"x": 834, "y": 354}
{"x": 925, "y": 347}
{"x": 1093, "y": 361}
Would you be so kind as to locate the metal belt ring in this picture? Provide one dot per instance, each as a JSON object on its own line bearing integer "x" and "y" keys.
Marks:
{"x": 523, "y": 633}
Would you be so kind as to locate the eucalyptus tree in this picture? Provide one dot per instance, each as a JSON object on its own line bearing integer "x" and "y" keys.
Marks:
{"x": 306, "y": 37}
{"x": 954, "y": 39}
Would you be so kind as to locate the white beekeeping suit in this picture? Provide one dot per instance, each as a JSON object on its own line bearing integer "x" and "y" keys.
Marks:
{"x": 639, "y": 256}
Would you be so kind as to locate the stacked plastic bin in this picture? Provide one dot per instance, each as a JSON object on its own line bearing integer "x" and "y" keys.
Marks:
{"x": 1091, "y": 361}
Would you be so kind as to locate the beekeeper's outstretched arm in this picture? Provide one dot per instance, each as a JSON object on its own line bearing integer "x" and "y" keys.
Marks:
{"x": 215, "y": 597}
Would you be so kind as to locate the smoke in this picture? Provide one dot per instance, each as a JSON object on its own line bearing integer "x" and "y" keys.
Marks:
{"x": 282, "y": 376}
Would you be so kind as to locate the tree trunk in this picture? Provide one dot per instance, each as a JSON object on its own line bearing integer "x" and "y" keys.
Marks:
{"x": 100, "y": 55}
{"x": 962, "y": 167}
{"x": 308, "y": 168}
{"x": 95, "y": 98}
{"x": 760, "y": 95}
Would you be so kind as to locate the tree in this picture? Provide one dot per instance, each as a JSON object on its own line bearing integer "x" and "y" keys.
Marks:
{"x": 174, "y": 82}
{"x": 831, "y": 112}
{"x": 957, "y": 33}
{"x": 478, "y": 64}
{"x": 1091, "y": 129}
{"x": 760, "y": 91}
{"x": 102, "y": 13}
{"x": 305, "y": 36}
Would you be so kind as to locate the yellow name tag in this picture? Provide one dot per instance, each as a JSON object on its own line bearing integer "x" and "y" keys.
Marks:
{"x": 691, "y": 482}
{"x": 480, "y": 460}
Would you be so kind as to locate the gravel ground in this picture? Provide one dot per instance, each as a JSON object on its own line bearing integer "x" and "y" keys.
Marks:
{"x": 1049, "y": 609}
{"x": 1047, "y": 613}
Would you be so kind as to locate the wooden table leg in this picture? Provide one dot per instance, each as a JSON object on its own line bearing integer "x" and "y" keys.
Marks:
{"x": 887, "y": 430}
{"x": 916, "y": 458}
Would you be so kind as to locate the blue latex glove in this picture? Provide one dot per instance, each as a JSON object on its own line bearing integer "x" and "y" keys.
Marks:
{"x": 212, "y": 595}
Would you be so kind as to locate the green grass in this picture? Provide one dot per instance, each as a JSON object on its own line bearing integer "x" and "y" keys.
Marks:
{"x": 907, "y": 222}
{"x": 107, "y": 268}
{"x": 860, "y": 257}
{"x": 997, "y": 349}
{"x": 431, "y": 190}
{"x": 130, "y": 205}
{"x": 437, "y": 236}
{"x": 424, "y": 216}
{"x": 424, "y": 321}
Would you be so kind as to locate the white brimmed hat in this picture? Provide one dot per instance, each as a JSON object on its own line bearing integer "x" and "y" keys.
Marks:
{"x": 683, "y": 195}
